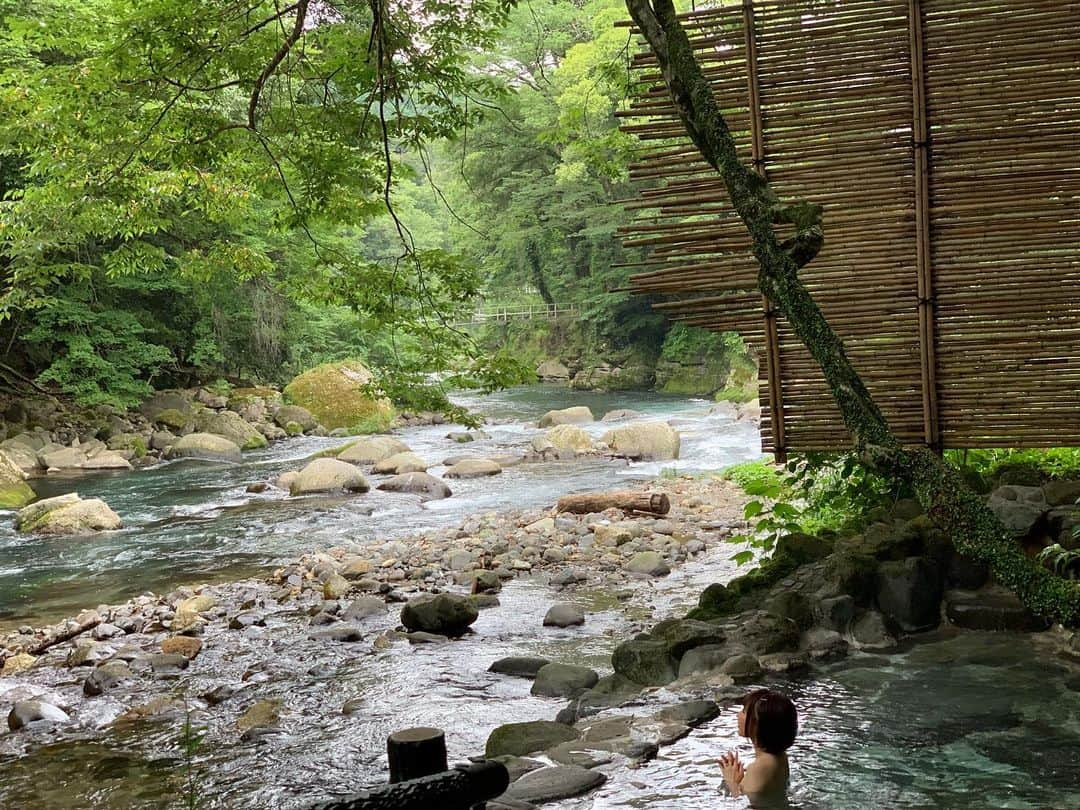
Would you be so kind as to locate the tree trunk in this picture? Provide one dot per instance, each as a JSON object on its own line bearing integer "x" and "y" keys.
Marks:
{"x": 960, "y": 513}
{"x": 654, "y": 503}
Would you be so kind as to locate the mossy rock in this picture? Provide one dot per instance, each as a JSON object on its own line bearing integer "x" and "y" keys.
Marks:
{"x": 173, "y": 418}
{"x": 852, "y": 573}
{"x": 294, "y": 429}
{"x": 15, "y": 493}
{"x": 16, "y": 496}
{"x": 645, "y": 661}
{"x": 803, "y": 548}
{"x": 336, "y": 395}
{"x": 519, "y": 739}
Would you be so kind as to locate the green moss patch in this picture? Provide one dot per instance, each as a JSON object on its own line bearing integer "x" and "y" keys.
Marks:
{"x": 338, "y": 395}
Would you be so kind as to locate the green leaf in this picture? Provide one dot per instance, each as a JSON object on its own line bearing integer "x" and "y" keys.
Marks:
{"x": 752, "y": 509}
{"x": 743, "y": 557}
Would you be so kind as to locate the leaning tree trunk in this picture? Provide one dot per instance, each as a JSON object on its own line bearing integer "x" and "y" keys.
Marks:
{"x": 975, "y": 530}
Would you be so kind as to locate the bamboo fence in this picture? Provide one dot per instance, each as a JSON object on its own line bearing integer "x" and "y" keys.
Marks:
{"x": 942, "y": 138}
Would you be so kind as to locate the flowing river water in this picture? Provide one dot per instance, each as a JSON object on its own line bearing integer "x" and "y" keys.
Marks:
{"x": 963, "y": 721}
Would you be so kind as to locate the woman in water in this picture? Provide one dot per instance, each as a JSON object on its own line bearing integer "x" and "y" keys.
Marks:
{"x": 769, "y": 720}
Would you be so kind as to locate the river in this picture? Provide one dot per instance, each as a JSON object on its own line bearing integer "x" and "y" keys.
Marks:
{"x": 968, "y": 720}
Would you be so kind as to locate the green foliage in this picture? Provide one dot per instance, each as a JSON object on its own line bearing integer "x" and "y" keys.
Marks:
{"x": 811, "y": 494}
{"x": 1063, "y": 562}
{"x": 241, "y": 175}
{"x": 1053, "y": 462}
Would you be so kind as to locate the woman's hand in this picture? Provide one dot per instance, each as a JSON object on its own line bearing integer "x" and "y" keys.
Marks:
{"x": 733, "y": 772}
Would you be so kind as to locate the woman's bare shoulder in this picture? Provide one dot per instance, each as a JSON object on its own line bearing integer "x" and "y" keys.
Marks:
{"x": 763, "y": 773}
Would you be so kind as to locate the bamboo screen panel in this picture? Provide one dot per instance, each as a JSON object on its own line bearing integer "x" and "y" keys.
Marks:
{"x": 942, "y": 138}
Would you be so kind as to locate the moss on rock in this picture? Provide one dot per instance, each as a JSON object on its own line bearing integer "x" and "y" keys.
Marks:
{"x": 338, "y": 395}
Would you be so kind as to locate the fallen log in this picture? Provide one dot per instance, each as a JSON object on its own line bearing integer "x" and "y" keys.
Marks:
{"x": 59, "y": 637}
{"x": 653, "y": 503}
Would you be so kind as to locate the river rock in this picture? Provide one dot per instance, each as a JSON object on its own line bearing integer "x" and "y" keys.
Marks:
{"x": 13, "y": 665}
{"x": 372, "y": 450}
{"x": 231, "y": 426}
{"x": 577, "y": 415}
{"x": 555, "y": 783}
{"x": 339, "y": 395}
{"x": 187, "y": 646}
{"x": 328, "y": 475}
{"x": 428, "y": 486}
{"x": 520, "y": 739}
{"x": 1018, "y": 508}
{"x": 63, "y": 458}
{"x": 1061, "y": 493}
{"x": 909, "y": 592}
{"x": 645, "y": 661}
{"x": 473, "y": 468}
{"x": 447, "y": 614}
{"x": 648, "y": 563}
{"x": 518, "y": 666}
{"x": 400, "y": 463}
{"x": 21, "y": 455}
{"x": 25, "y": 712}
{"x": 15, "y": 493}
{"x": 570, "y": 437}
{"x": 160, "y": 401}
{"x": 992, "y": 608}
{"x": 552, "y": 371}
{"x": 870, "y": 631}
{"x": 206, "y": 446}
{"x": 363, "y": 608}
{"x": 106, "y": 460}
{"x": 104, "y": 677}
{"x": 649, "y": 441}
{"x": 263, "y": 714}
{"x": 67, "y": 514}
{"x": 287, "y": 414}
{"x": 619, "y": 414}
{"x": 563, "y": 680}
{"x": 564, "y": 614}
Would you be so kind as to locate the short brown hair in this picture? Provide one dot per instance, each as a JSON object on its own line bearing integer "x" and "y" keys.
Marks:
{"x": 771, "y": 720}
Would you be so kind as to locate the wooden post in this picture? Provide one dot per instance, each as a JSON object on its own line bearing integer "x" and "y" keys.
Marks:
{"x": 772, "y": 335}
{"x": 920, "y": 134}
{"x": 415, "y": 752}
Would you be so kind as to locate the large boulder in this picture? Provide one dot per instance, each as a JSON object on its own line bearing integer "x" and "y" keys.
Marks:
{"x": 62, "y": 458}
{"x": 563, "y": 680}
{"x": 570, "y": 437}
{"x": 162, "y": 401}
{"x": 421, "y": 483}
{"x": 372, "y": 450}
{"x": 577, "y": 415}
{"x": 328, "y": 475}
{"x": 22, "y": 452}
{"x": 67, "y": 514}
{"x": 553, "y": 371}
{"x": 338, "y": 395}
{"x": 909, "y": 592}
{"x": 519, "y": 739}
{"x": 205, "y": 446}
{"x": 648, "y": 441}
{"x": 448, "y": 614}
{"x": 106, "y": 460}
{"x": 1018, "y": 508}
{"x": 295, "y": 413}
{"x": 400, "y": 463}
{"x": 554, "y": 784}
{"x": 645, "y": 661}
{"x": 231, "y": 426}
{"x": 473, "y": 468}
{"x": 993, "y": 608}
{"x": 15, "y": 493}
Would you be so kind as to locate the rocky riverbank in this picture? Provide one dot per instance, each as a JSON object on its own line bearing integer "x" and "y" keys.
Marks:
{"x": 207, "y": 649}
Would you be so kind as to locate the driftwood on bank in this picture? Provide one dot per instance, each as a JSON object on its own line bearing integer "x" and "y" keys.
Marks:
{"x": 66, "y": 634}
{"x": 653, "y": 503}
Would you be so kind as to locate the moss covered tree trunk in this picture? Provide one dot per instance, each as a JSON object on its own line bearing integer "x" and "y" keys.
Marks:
{"x": 975, "y": 530}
